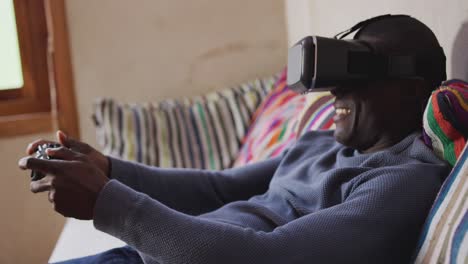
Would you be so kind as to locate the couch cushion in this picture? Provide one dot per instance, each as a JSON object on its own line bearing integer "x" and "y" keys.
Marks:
{"x": 201, "y": 132}
{"x": 281, "y": 118}
{"x": 444, "y": 237}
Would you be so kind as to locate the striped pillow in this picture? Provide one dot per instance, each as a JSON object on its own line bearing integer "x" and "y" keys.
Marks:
{"x": 444, "y": 237}
{"x": 202, "y": 132}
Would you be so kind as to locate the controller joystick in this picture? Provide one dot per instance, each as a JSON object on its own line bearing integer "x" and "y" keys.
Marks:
{"x": 41, "y": 154}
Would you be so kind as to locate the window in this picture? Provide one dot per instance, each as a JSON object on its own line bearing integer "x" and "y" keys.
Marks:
{"x": 10, "y": 65}
{"x": 35, "y": 64}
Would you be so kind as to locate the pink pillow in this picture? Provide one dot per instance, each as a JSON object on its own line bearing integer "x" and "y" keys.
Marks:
{"x": 274, "y": 125}
{"x": 282, "y": 118}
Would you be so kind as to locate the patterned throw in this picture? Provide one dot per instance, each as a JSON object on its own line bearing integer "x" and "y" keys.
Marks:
{"x": 446, "y": 120}
{"x": 444, "y": 237}
{"x": 281, "y": 118}
{"x": 203, "y": 132}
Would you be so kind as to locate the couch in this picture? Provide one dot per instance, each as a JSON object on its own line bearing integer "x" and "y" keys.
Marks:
{"x": 236, "y": 126}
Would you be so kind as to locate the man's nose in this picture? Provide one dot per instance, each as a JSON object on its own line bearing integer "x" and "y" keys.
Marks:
{"x": 339, "y": 91}
{"x": 334, "y": 91}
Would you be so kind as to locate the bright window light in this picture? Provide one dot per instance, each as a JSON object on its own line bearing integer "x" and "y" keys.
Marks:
{"x": 11, "y": 75}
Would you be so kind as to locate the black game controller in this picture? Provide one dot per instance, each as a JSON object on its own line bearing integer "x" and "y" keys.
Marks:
{"x": 41, "y": 154}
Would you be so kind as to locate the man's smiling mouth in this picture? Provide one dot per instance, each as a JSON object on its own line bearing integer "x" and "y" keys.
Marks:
{"x": 341, "y": 113}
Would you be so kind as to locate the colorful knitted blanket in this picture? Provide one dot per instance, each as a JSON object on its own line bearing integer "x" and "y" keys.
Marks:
{"x": 446, "y": 120}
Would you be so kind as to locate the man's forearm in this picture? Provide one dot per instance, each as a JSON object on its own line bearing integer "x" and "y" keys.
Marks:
{"x": 195, "y": 191}
{"x": 169, "y": 236}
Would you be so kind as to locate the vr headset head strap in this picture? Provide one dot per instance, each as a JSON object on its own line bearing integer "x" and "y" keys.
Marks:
{"x": 364, "y": 23}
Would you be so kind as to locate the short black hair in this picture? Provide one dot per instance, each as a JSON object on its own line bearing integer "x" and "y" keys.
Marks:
{"x": 405, "y": 35}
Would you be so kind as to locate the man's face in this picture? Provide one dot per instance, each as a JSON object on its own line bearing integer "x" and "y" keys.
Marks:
{"x": 374, "y": 114}
{"x": 369, "y": 112}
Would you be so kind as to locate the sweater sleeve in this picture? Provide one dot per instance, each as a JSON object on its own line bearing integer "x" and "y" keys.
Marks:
{"x": 195, "y": 191}
{"x": 382, "y": 213}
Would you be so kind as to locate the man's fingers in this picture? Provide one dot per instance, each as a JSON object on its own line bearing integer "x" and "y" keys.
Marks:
{"x": 68, "y": 141}
{"x": 51, "y": 195}
{"x": 42, "y": 185}
{"x": 62, "y": 138}
{"x": 46, "y": 166}
{"x": 31, "y": 148}
{"x": 62, "y": 153}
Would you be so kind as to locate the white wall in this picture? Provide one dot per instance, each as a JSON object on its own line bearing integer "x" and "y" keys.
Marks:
{"x": 448, "y": 19}
{"x": 147, "y": 50}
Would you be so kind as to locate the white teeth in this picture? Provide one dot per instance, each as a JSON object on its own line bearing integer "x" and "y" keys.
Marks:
{"x": 342, "y": 111}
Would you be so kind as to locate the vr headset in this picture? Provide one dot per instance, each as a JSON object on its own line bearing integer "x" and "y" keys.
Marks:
{"x": 318, "y": 63}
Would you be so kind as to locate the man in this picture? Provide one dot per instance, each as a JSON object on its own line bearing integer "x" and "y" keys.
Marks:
{"x": 359, "y": 194}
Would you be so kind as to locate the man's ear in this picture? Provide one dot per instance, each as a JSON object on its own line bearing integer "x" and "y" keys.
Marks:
{"x": 423, "y": 90}
{"x": 426, "y": 91}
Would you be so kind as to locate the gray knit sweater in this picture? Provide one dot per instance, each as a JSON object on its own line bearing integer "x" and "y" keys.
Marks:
{"x": 320, "y": 202}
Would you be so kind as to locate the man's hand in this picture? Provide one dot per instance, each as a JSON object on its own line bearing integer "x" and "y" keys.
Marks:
{"x": 73, "y": 180}
{"x": 94, "y": 156}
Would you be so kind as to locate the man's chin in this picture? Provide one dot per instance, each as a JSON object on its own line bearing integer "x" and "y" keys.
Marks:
{"x": 342, "y": 137}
